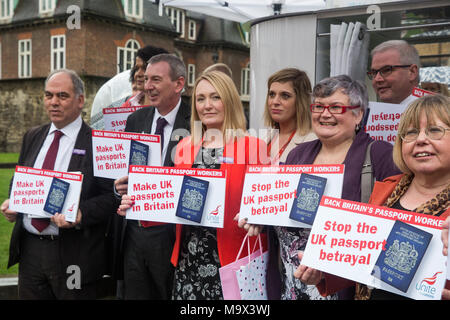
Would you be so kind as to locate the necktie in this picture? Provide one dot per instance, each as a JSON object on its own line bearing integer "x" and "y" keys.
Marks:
{"x": 160, "y": 124}
{"x": 49, "y": 163}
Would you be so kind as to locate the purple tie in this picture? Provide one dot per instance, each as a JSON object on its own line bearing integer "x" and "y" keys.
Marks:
{"x": 49, "y": 163}
{"x": 160, "y": 124}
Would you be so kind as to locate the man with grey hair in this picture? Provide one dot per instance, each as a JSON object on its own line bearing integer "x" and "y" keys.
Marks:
{"x": 147, "y": 246}
{"x": 394, "y": 71}
{"x": 60, "y": 259}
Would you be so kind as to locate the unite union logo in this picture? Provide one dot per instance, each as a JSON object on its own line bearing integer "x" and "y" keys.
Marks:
{"x": 426, "y": 285}
{"x": 213, "y": 216}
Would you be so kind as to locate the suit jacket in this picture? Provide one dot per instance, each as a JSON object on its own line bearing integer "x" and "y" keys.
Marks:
{"x": 85, "y": 245}
{"x": 141, "y": 121}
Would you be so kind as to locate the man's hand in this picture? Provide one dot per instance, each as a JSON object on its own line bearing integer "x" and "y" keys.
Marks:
{"x": 121, "y": 185}
{"x": 125, "y": 204}
{"x": 60, "y": 220}
{"x": 9, "y": 214}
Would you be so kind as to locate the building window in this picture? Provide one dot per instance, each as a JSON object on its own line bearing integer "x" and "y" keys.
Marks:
{"x": 126, "y": 55}
{"x": 25, "y": 58}
{"x": 58, "y": 52}
{"x": 191, "y": 74}
{"x": 192, "y": 30}
{"x": 177, "y": 19}
{"x": 6, "y": 9}
{"x": 134, "y": 8}
{"x": 245, "y": 81}
{"x": 46, "y": 6}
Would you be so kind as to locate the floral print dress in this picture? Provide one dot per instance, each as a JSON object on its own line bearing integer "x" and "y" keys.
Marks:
{"x": 197, "y": 274}
{"x": 291, "y": 241}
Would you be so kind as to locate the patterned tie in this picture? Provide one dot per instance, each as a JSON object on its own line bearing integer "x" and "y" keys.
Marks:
{"x": 49, "y": 163}
{"x": 160, "y": 124}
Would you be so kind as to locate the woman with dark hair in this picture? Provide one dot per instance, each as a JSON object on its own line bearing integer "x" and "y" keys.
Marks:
{"x": 137, "y": 75}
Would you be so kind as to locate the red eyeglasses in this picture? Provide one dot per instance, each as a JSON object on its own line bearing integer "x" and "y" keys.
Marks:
{"x": 336, "y": 109}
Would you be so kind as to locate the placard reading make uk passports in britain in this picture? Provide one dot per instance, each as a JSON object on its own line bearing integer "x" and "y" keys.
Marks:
{"x": 113, "y": 151}
{"x": 176, "y": 195}
{"x": 384, "y": 248}
{"x": 42, "y": 193}
{"x": 288, "y": 195}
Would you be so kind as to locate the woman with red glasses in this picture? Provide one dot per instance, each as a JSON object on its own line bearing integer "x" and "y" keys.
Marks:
{"x": 337, "y": 111}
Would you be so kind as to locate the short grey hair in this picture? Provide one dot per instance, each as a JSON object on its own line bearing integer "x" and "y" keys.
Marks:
{"x": 78, "y": 84}
{"x": 177, "y": 67}
{"x": 408, "y": 53}
{"x": 354, "y": 89}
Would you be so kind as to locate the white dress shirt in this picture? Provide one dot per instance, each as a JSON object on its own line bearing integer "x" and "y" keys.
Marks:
{"x": 65, "y": 150}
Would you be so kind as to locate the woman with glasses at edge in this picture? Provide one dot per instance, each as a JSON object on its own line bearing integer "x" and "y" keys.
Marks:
{"x": 287, "y": 111}
{"x": 422, "y": 152}
{"x": 337, "y": 110}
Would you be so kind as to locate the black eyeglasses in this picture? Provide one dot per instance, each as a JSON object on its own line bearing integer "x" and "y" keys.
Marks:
{"x": 433, "y": 132}
{"x": 336, "y": 109}
{"x": 385, "y": 71}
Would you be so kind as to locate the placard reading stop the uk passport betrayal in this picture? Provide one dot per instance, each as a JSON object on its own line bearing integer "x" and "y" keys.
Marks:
{"x": 272, "y": 195}
{"x": 393, "y": 250}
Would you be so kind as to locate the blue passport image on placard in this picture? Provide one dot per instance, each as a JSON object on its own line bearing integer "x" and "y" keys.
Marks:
{"x": 192, "y": 199}
{"x": 56, "y": 196}
{"x": 139, "y": 153}
{"x": 309, "y": 193}
{"x": 405, "y": 247}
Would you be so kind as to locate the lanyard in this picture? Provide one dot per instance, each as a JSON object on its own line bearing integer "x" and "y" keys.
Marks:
{"x": 283, "y": 148}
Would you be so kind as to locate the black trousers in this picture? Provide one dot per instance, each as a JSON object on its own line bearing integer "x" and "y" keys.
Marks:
{"x": 41, "y": 275}
{"x": 148, "y": 273}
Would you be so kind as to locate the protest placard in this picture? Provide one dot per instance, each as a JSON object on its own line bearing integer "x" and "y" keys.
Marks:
{"x": 157, "y": 191}
{"x": 378, "y": 246}
{"x": 115, "y": 119}
{"x": 384, "y": 118}
{"x": 269, "y": 192}
{"x": 30, "y": 192}
{"x": 111, "y": 152}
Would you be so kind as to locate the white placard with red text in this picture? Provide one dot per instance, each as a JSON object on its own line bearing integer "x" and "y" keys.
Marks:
{"x": 30, "y": 190}
{"x": 111, "y": 151}
{"x": 384, "y": 118}
{"x": 156, "y": 191}
{"x": 347, "y": 238}
{"x": 115, "y": 119}
{"x": 269, "y": 191}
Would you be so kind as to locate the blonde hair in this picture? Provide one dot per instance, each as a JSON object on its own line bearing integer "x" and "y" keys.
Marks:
{"x": 302, "y": 88}
{"x": 234, "y": 124}
{"x": 433, "y": 107}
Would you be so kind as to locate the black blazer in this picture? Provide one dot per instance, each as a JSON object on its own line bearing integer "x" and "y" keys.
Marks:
{"x": 85, "y": 245}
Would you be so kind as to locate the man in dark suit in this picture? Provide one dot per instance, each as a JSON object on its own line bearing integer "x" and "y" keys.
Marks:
{"x": 60, "y": 259}
{"x": 147, "y": 247}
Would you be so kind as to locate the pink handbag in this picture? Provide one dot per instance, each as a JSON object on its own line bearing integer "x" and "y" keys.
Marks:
{"x": 231, "y": 286}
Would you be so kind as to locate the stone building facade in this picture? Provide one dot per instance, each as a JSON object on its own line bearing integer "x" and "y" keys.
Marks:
{"x": 98, "y": 39}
